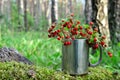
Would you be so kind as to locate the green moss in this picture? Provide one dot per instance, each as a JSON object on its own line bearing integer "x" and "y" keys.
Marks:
{"x": 20, "y": 71}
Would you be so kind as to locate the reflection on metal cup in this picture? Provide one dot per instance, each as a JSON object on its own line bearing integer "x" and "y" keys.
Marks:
{"x": 75, "y": 57}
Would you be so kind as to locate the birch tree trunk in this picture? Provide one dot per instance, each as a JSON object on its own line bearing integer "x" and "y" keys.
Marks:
{"x": 54, "y": 11}
{"x": 114, "y": 20}
{"x": 37, "y": 13}
{"x": 48, "y": 14}
{"x": 8, "y": 10}
{"x": 69, "y": 8}
{"x": 100, "y": 17}
{"x": 31, "y": 7}
{"x": 60, "y": 7}
{"x": 46, "y": 3}
{"x": 64, "y": 3}
{"x": 25, "y": 15}
{"x": 88, "y": 10}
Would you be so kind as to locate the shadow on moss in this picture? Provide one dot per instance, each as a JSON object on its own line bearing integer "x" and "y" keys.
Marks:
{"x": 20, "y": 71}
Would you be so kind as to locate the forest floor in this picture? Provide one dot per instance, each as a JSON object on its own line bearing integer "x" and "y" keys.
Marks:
{"x": 45, "y": 52}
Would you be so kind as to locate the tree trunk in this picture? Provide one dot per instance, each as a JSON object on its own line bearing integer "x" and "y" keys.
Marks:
{"x": 25, "y": 15}
{"x": 100, "y": 17}
{"x": 54, "y": 11}
{"x": 0, "y": 7}
{"x": 37, "y": 13}
{"x": 0, "y": 19}
{"x": 88, "y": 11}
{"x": 46, "y": 5}
{"x": 8, "y": 10}
{"x": 114, "y": 20}
{"x": 69, "y": 7}
{"x": 19, "y": 12}
{"x": 0, "y": 10}
{"x": 60, "y": 6}
{"x": 31, "y": 7}
{"x": 48, "y": 13}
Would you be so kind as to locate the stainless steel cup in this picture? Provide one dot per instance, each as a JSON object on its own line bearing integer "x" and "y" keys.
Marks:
{"x": 75, "y": 57}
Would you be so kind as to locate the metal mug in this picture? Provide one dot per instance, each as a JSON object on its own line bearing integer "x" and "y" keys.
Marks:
{"x": 75, "y": 57}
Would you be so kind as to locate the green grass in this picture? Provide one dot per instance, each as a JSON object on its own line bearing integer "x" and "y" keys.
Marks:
{"x": 35, "y": 46}
{"x": 45, "y": 52}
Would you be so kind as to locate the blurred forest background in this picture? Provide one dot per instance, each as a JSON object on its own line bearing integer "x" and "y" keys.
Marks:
{"x": 24, "y": 24}
{"x": 37, "y": 14}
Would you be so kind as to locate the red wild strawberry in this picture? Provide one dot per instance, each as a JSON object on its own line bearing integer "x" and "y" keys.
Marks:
{"x": 72, "y": 14}
{"x": 90, "y": 32}
{"x": 95, "y": 39}
{"x": 87, "y": 30}
{"x": 91, "y": 23}
{"x": 49, "y": 35}
{"x": 62, "y": 37}
{"x": 54, "y": 33}
{"x": 53, "y": 26}
{"x": 67, "y": 23}
{"x": 103, "y": 37}
{"x": 78, "y": 22}
{"x": 58, "y": 30}
{"x": 73, "y": 32}
{"x": 64, "y": 25}
{"x": 75, "y": 29}
{"x": 96, "y": 29}
{"x": 58, "y": 38}
{"x": 84, "y": 35}
{"x": 66, "y": 43}
{"x": 76, "y": 32}
{"x": 95, "y": 46}
{"x": 63, "y": 20}
{"x": 73, "y": 38}
{"x": 67, "y": 37}
{"x": 49, "y": 30}
{"x": 69, "y": 43}
{"x": 81, "y": 33}
{"x": 81, "y": 27}
{"x": 110, "y": 54}
{"x": 69, "y": 26}
{"x": 102, "y": 43}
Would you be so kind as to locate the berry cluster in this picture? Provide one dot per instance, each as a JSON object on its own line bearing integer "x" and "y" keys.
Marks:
{"x": 69, "y": 29}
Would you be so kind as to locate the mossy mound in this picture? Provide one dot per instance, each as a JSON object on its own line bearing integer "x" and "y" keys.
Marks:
{"x": 20, "y": 71}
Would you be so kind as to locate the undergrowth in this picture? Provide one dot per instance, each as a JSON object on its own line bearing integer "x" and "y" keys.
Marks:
{"x": 45, "y": 52}
{"x": 20, "y": 71}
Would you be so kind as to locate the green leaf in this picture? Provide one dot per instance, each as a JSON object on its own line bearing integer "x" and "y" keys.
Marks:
{"x": 85, "y": 25}
{"x": 119, "y": 44}
{"x": 66, "y": 29}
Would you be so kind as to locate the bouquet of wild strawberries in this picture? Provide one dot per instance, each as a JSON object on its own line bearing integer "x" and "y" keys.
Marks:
{"x": 69, "y": 29}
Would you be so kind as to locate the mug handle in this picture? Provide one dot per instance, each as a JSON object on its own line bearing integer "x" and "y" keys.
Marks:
{"x": 100, "y": 58}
